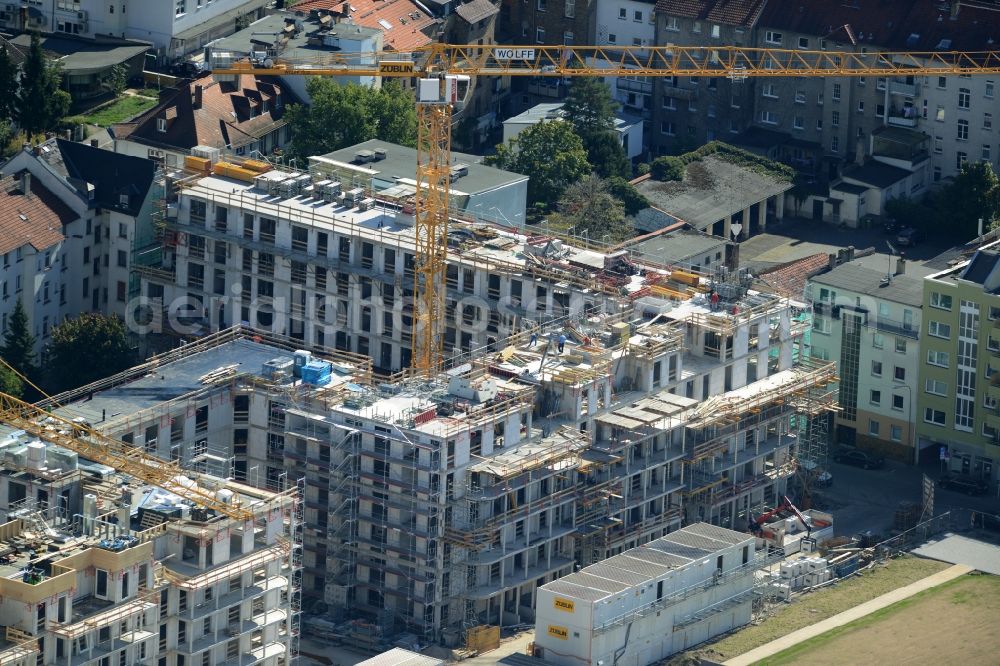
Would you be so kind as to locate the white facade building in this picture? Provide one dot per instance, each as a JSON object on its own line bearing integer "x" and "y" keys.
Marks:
{"x": 626, "y": 23}
{"x": 628, "y": 127}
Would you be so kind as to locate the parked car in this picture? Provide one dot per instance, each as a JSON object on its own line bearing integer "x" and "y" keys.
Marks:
{"x": 908, "y": 237}
{"x": 859, "y": 459}
{"x": 964, "y": 484}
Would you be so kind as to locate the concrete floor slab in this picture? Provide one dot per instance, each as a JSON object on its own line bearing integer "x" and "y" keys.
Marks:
{"x": 963, "y": 550}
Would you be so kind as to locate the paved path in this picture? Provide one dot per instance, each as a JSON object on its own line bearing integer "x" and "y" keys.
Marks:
{"x": 840, "y": 619}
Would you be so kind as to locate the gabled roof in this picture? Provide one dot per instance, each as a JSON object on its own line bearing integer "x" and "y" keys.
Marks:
{"x": 14, "y": 51}
{"x": 404, "y": 23}
{"x": 477, "y": 10}
{"x": 36, "y": 220}
{"x": 230, "y": 115}
{"x": 729, "y": 12}
{"x": 111, "y": 174}
{"x": 790, "y": 279}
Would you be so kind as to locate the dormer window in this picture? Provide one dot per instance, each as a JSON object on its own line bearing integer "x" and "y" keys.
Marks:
{"x": 161, "y": 124}
{"x": 123, "y": 199}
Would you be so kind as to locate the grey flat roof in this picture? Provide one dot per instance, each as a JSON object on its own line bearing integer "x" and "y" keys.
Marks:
{"x": 639, "y": 565}
{"x": 82, "y": 57}
{"x": 681, "y": 246}
{"x": 877, "y": 174}
{"x": 401, "y": 162}
{"x": 171, "y": 380}
{"x": 865, "y": 274}
{"x": 712, "y": 189}
{"x": 849, "y": 188}
{"x": 297, "y": 46}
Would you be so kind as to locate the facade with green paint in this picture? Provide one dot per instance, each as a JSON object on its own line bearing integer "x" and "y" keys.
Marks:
{"x": 958, "y": 421}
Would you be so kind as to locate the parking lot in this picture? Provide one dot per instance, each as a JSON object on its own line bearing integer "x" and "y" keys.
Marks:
{"x": 862, "y": 499}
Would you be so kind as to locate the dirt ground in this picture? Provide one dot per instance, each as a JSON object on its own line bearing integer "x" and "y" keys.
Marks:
{"x": 957, "y": 619}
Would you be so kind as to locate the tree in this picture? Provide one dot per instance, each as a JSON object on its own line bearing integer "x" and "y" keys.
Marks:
{"x": 590, "y": 208}
{"x": 605, "y": 152}
{"x": 40, "y": 103}
{"x": 591, "y": 109}
{"x": 118, "y": 81}
{"x": 87, "y": 348}
{"x": 667, "y": 168}
{"x": 10, "y": 383}
{"x": 550, "y": 153}
{"x": 18, "y": 342}
{"x": 8, "y": 84}
{"x": 344, "y": 115}
{"x": 631, "y": 198}
{"x": 973, "y": 195}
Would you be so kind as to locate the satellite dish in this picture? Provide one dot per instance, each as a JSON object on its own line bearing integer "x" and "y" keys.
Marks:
{"x": 735, "y": 228}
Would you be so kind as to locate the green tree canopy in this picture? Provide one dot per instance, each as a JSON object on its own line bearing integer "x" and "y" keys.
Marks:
{"x": 18, "y": 342}
{"x": 10, "y": 383}
{"x": 550, "y": 153}
{"x": 87, "y": 348}
{"x": 605, "y": 152}
{"x": 589, "y": 207}
{"x": 973, "y": 195}
{"x": 343, "y": 115}
{"x": 8, "y": 84}
{"x": 591, "y": 109}
{"x": 40, "y": 103}
{"x": 631, "y": 198}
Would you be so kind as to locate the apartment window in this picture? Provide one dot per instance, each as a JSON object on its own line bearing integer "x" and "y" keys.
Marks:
{"x": 569, "y": 9}
{"x": 988, "y": 93}
{"x": 880, "y": 83}
{"x": 939, "y": 329}
{"x": 540, "y": 35}
{"x": 873, "y": 427}
{"x": 800, "y": 97}
{"x": 960, "y": 160}
{"x": 637, "y": 16}
{"x": 672, "y": 24}
{"x": 696, "y": 27}
{"x": 772, "y": 37}
{"x": 835, "y": 119}
{"x": 942, "y": 82}
{"x": 877, "y": 368}
{"x": 936, "y": 387}
{"x": 938, "y": 145}
{"x": 612, "y": 38}
{"x": 963, "y": 130}
{"x": 567, "y": 38}
{"x": 897, "y": 402}
{"x": 835, "y": 144}
{"x": 878, "y": 341}
{"x": 803, "y": 42}
{"x": 939, "y": 114}
{"x": 668, "y": 128}
{"x": 819, "y": 124}
{"x": 769, "y": 117}
{"x": 964, "y": 98}
{"x": 895, "y": 433}
{"x": 984, "y": 155}
{"x": 622, "y": 13}
{"x": 899, "y": 374}
{"x": 861, "y": 107}
{"x": 987, "y": 121}
{"x": 836, "y": 92}
{"x": 161, "y": 124}
{"x": 636, "y": 41}
{"x": 769, "y": 91}
{"x": 938, "y": 358}
{"x": 819, "y": 99}
{"x": 937, "y": 174}
{"x": 798, "y": 122}
{"x": 994, "y": 313}
{"x": 540, "y": 5}
{"x": 876, "y": 397}
{"x": 935, "y": 416}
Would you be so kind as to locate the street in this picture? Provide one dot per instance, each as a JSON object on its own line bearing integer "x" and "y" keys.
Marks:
{"x": 863, "y": 499}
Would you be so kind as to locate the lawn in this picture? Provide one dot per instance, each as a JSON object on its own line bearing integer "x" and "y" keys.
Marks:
{"x": 953, "y": 622}
{"x": 815, "y": 606}
{"x": 120, "y": 110}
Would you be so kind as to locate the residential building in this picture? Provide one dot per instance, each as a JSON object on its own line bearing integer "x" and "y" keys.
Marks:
{"x": 78, "y": 216}
{"x": 626, "y": 23}
{"x": 301, "y": 38}
{"x": 88, "y": 68}
{"x": 405, "y": 24}
{"x": 688, "y": 112}
{"x": 149, "y": 576}
{"x": 173, "y": 28}
{"x": 244, "y": 116}
{"x": 684, "y": 247}
{"x": 957, "y": 416}
{"x": 870, "y": 320}
{"x": 648, "y": 603}
{"x": 547, "y": 21}
{"x": 627, "y": 126}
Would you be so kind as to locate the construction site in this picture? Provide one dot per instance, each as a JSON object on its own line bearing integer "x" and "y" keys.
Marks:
{"x": 589, "y": 404}
{"x": 107, "y": 557}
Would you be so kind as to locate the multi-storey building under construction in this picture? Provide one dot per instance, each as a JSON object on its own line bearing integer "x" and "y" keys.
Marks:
{"x": 592, "y": 404}
{"x": 99, "y": 569}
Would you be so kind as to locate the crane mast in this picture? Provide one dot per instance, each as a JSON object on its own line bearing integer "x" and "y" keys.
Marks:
{"x": 440, "y": 61}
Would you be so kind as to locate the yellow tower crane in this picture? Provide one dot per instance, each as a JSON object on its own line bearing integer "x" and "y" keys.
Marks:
{"x": 440, "y": 69}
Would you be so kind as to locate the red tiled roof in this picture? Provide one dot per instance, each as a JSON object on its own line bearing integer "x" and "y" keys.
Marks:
{"x": 729, "y": 12}
{"x": 35, "y": 220}
{"x": 900, "y": 25}
{"x": 409, "y": 24}
{"x": 790, "y": 279}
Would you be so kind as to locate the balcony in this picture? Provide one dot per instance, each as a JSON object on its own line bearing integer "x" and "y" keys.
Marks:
{"x": 902, "y": 118}
{"x": 634, "y": 85}
{"x": 905, "y": 89}
{"x": 678, "y": 93}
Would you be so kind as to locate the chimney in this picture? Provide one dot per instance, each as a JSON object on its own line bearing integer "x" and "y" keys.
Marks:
{"x": 832, "y": 261}
{"x": 26, "y": 183}
{"x": 900, "y": 265}
{"x": 850, "y": 253}
{"x": 197, "y": 96}
{"x": 94, "y": 143}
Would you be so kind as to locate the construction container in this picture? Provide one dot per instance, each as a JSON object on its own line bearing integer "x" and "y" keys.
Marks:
{"x": 317, "y": 373}
{"x": 690, "y": 279}
{"x": 201, "y": 165}
{"x": 229, "y": 170}
{"x": 256, "y": 165}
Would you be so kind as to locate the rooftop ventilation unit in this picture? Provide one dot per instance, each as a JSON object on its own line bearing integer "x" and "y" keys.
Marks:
{"x": 380, "y": 154}
{"x": 364, "y": 156}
